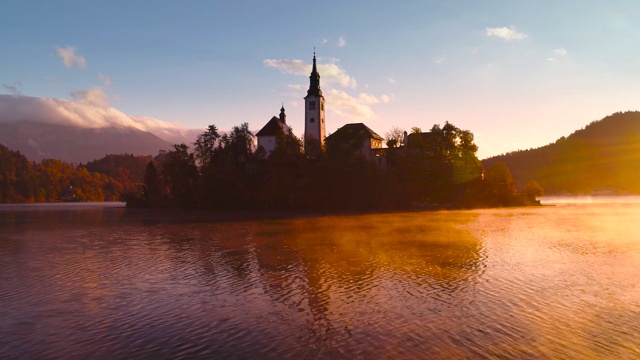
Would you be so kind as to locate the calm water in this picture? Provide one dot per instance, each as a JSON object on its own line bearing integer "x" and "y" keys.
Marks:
{"x": 87, "y": 281}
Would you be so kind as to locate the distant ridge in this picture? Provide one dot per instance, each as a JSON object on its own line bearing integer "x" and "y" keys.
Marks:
{"x": 39, "y": 141}
{"x": 602, "y": 158}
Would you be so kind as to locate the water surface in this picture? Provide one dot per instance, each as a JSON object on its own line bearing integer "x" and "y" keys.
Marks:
{"x": 103, "y": 281}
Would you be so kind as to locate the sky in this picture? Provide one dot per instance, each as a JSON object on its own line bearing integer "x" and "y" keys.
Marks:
{"x": 517, "y": 74}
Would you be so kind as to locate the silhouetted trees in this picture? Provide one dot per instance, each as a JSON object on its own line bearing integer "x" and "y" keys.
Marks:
{"x": 436, "y": 168}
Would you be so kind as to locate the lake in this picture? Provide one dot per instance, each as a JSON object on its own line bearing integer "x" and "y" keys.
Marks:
{"x": 102, "y": 281}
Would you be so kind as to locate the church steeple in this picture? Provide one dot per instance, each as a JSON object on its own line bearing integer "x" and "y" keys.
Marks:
{"x": 314, "y": 83}
{"x": 283, "y": 117}
{"x": 314, "y": 130}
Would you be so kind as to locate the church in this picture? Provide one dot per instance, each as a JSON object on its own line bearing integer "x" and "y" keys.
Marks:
{"x": 314, "y": 127}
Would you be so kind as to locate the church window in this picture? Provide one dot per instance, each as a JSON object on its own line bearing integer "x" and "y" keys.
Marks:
{"x": 322, "y": 106}
{"x": 312, "y": 105}
{"x": 312, "y": 120}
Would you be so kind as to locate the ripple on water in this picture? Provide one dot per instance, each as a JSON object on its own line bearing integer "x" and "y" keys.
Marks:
{"x": 510, "y": 283}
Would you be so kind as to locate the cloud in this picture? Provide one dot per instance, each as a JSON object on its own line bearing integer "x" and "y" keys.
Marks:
{"x": 391, "y": 80}
{"x": 295, "y": 67}
{"x": 439, "y": 60}
{"x": 560, "y": 52}
{"x": 89, "y": 109}
{"x": 105, "y": 80}
{"x": 342, "y": 42}
{"x": 330, "y": 73}
{"x": 341, "y": 103}
{"x": 505, "y": 33}
{"x": 94, "y": 97}
{"x": 70, "y": 58}
{"x": 14, "y": 88}
{"x": 385, "y": 99}
{"x": 557, "y": 53}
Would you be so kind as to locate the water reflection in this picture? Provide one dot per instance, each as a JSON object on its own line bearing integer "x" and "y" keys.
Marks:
{"x": 494, "y": 283}
{"x": 337, "y": 277}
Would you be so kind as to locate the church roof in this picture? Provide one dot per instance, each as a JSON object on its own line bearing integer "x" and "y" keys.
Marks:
{"x": 314, "y": 80}
{"x": 274, "y": 127}
{"x": 424, "y": 136}
{"x": 354, "y": 129}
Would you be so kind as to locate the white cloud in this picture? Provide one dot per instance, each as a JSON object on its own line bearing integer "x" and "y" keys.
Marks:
{"x": 89, "y": 109}
{"x": 391, "y": 80}
{"x": 94, "y": 97}
{"x": 342, "y": 42}
{"x": 296, "y": 86}
{"x": 367, "y": 99}
{"x": 330, "y": 73}
{"x": 105, "y": 80}
{"x": 560, "y": 52}
{"x": 439, "y": 60}
{"x": 341, "y": 103}
{"x": 295, "y": 67}
{"x": 70, "y": 58}
{"x": 557, "y": 53}
{"x": 506, "y": 33}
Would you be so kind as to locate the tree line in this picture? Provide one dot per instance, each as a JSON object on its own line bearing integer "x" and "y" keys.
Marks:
{"x": 24, "y": 181}
{"x": 603, "y": 156}
{"x": 226, "y": 172}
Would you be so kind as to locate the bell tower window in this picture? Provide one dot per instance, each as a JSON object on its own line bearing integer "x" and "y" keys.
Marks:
{"x": 312, "y": 105}
{"x": 312, "y": 120}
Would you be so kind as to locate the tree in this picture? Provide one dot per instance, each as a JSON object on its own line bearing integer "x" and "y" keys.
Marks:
{"x": 153, "y": 187}
{"x": 205, "y": 145}
{"x": 181, "y": 173}
{"x": 499, "y": 185}
{"x": 533, "y": 189}
{"x": 439, "y": 164}
{"x": 394, "y": 137}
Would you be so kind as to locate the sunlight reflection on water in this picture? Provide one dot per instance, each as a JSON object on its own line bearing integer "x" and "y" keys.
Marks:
{"x": 542, "y": 282}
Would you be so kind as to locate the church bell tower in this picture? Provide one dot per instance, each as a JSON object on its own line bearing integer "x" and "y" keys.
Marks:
{"x": 314, "y": 132}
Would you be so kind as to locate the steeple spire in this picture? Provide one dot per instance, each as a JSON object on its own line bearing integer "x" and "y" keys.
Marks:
{"x": 283, "y": 117}
{"x": 314, "y": 83}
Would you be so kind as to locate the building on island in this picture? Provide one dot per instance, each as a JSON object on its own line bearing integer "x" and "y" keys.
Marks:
{"x": 358, "y": 139}
{"x": 268, "y": 135}
{"x": 314, "y": 127}
{"x": 355, "y": 139}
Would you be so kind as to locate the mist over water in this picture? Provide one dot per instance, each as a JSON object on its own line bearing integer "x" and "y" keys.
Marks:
{"x": 545, "y": 282}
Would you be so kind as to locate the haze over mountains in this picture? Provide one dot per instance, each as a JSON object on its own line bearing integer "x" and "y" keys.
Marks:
{"x": 38, "y": 141}
{"x": 83, "y": 129}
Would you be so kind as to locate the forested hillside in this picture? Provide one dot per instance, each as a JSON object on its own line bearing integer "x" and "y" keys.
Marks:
{"x": 604, "y": 156}
{"x": 127, "y": 169}
{"x": 53, "y": 180}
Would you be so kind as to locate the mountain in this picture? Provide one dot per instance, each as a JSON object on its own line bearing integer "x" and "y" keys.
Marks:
{"x": 604, "y": 157}
{"x": 39, "y": 141}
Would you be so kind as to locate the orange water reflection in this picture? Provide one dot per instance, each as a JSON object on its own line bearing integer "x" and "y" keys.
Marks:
{"x": 550, "y": 282}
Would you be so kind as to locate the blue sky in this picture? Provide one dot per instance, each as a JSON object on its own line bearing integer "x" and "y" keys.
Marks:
{"x": 518, "y": 74}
